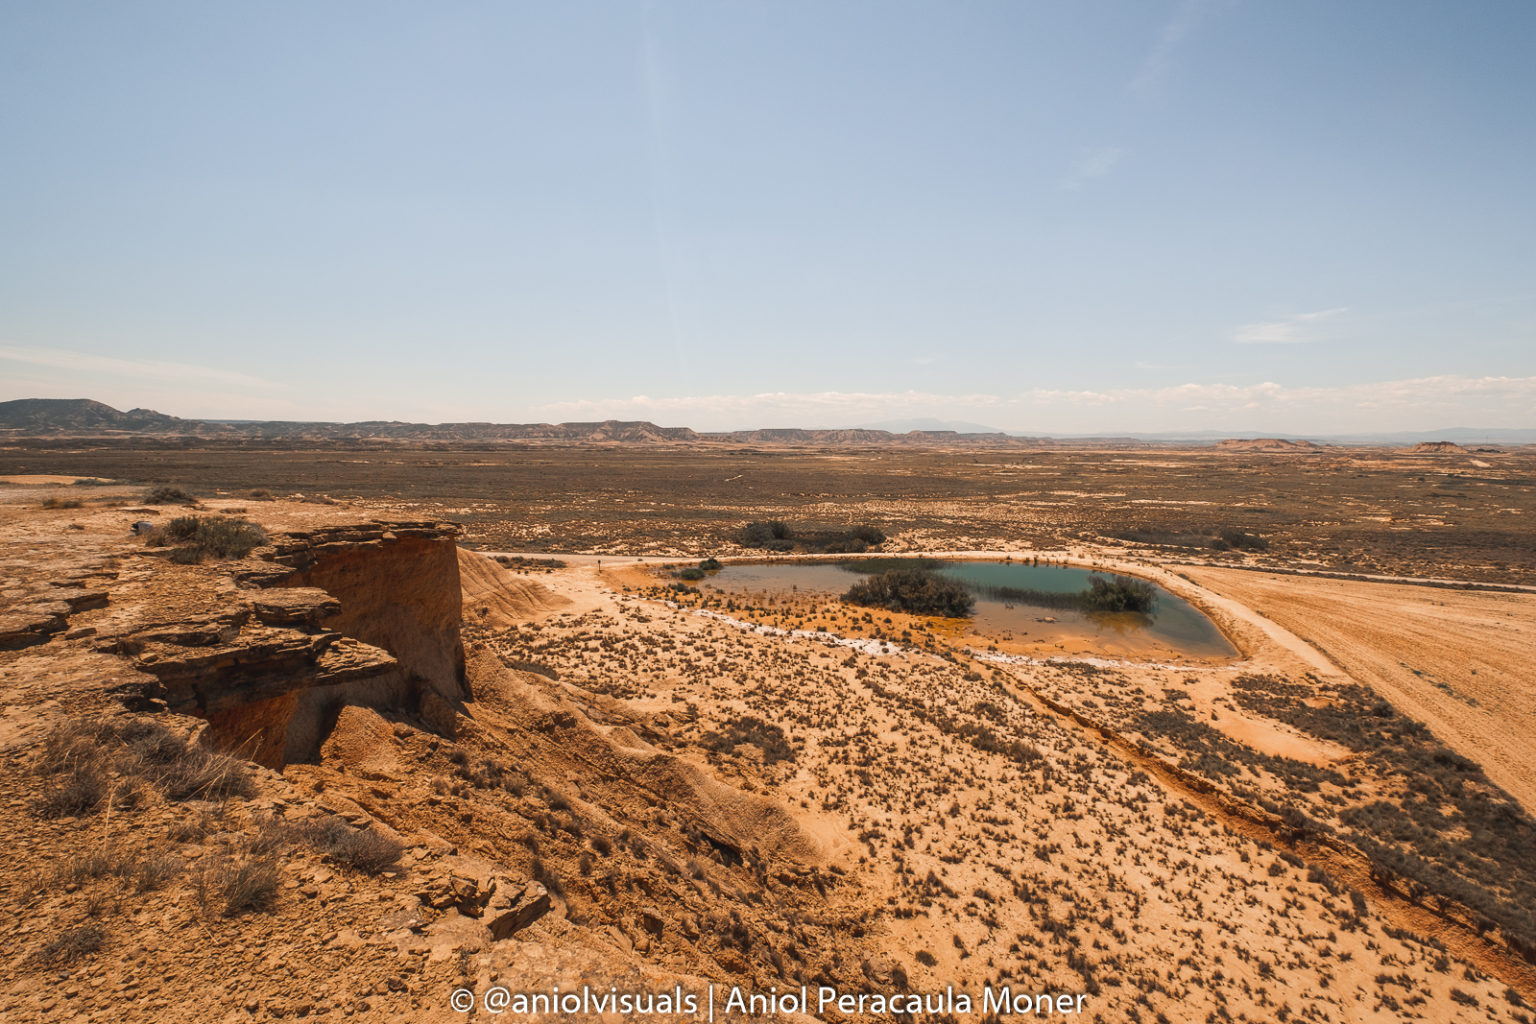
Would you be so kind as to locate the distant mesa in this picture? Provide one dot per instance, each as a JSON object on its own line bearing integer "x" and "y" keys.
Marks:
{"x": 1267, "y": 444}
{"x": 79, "y": 417}
{"x": 929, "y": 425}
{"x": 59, "y": 418}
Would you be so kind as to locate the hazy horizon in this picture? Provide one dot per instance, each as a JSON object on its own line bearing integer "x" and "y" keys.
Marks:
{"x": 1202, "y": 215}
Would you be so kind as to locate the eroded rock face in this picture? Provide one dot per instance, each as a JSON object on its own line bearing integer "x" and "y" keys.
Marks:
{"x": 502, "y": 905}
{"x": 397, "y": 585}
{"x": 352, "y": 615}
{"x": 36, "y": 609}
{"x": 294, "y": 606}
{"x": 31, "y": 624}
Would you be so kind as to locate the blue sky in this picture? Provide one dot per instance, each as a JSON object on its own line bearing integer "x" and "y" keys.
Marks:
{"x": 1065, "y": 217}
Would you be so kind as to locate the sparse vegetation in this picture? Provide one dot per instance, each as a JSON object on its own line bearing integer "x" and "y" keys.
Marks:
{"x": 765, "y": 736}
{"x": 1224, "y": 538}
{"x": 1422, "y": 792}
{"x": 73, "y": 943}
{"x": 776, "y": 535}
{"x": 1017, "y": 843}
{"x": 168, "y": 494}
{"x": 915, "y": 591}
{"x": 230, "y": 886}
{"x": 366, "y": 849}
{"x": 194, "y": 538}
{"x": 84, "y": 763}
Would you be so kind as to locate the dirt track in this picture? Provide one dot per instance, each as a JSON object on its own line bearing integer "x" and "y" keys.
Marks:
{"x": 1457, "y": 661}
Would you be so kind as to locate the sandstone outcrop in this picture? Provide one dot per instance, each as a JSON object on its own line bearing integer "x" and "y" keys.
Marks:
{"x": 37, "y": 608}
{"x": 269, "y": 650}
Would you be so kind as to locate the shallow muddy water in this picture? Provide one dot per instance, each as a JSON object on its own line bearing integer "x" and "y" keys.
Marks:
{"x": 1174, "y": 626}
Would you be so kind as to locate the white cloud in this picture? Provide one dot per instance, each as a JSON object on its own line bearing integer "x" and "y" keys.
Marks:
{"x": 1295, "y": 329}
{"x": 1416, "y": 403}
{"x": 114, "y": 366}
{"x": 1186, "y": 17}
{"x": 1442, "y": 392}
{"x": 776, "y": 408}
{"x": 1091, "y": 166}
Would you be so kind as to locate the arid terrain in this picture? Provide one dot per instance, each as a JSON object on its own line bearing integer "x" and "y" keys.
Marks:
{"x": 447, "y": 723}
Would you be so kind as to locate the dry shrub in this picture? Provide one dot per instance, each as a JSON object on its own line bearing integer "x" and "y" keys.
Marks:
{"x": 79, "y": 789}
{"x": 79, "y": 758}
{"x": 192, "y": 829}
{"x": 205, "y": 775}
{"x": 366, "y": 850}
{"x": 168, "y": 495}
{"x": 144, "y": 871}
{"x": 73, "y": 944}
{"x": 153, "y": 871}
{"x": 230, "y": 886}
{"x": 88, "y": 864}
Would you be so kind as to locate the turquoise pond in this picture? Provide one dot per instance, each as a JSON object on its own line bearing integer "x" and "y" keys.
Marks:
{"x": 1174, "y": 626}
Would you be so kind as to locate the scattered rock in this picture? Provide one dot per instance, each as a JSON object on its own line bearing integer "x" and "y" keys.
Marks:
{"x": 530, "y": 904}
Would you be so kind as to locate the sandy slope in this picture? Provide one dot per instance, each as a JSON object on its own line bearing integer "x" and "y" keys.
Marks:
{"x": 1457, "y": 660}
{"x": 494, "y": 597}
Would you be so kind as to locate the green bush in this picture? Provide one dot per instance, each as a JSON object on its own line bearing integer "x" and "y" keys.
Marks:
{"x": 168, "y": 495}
{"x": 199, "y": 537}
{"x": 1238, "y": 540}
{"x": 775, "y": 535}
{"x": 1118, "y": 594}
{"x": 762, "y": 534}
{"x": 1226, "y": 538}
{"x": 711, "y": 564}
{"x": 915, "y": 591}
{"x": 690, "y": 573}
{"x": 520, "y": 562}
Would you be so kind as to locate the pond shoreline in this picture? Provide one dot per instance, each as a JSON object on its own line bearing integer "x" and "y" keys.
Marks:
{"x": 1177, "y": 627}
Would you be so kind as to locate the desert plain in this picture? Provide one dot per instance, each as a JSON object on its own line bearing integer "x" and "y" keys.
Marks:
{"x": 455, "y": 724}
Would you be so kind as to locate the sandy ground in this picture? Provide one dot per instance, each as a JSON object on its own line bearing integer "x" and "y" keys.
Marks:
{"x": 1458, "y": 661}
{"x": 948, "y": 805}
{"x": 40, "y": 480}
{"x": 978, "y": 826}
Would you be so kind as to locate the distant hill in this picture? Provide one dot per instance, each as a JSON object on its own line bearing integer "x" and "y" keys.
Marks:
{"x": 85, "y": 418}
{"x": 1438, "y": 448}
{"x": 638, "y": 431}
{"x": 1267, "y": 444}
{"x": 81, "y": 415}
